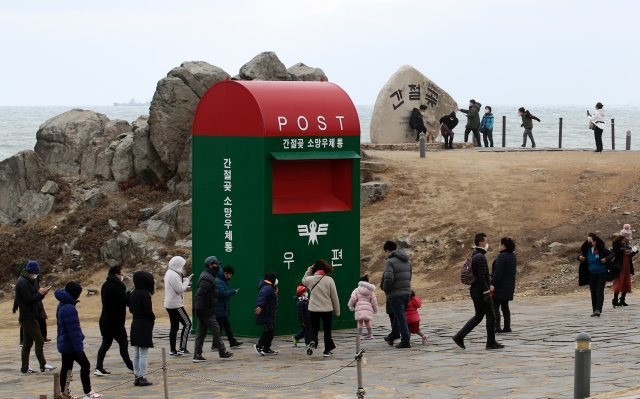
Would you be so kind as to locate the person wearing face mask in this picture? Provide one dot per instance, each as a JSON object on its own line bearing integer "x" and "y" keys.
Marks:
{"x": 486, "y": 127}
{"x": 624, "y": 254}
{"x": 416, "y": 122}
{"x": 596, "y": 256}
{"x": 447, "y": 124}
{"x": 480, "y": 292}
{"x": 473, "y": 122}
{"x": 115, "y": 299}
{"x": 28, "y": 298}
{"x": 527, "y": 124}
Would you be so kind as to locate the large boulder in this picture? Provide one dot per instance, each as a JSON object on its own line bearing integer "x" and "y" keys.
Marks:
{"x": 173, "y": 106}
{"x": 183, "y": 181}
{"x": 264, "y": 66}
{"x": 372, "y": 192}
{"x": 122, "y": 164}
{"x": 22, "y": 176}
{"x": 405, "y": 90}
{"x": 129, "y": 246}
{"x": 146, "y": 162}
{"x": 90, "y": 166}
{"x": 300, "y": 71}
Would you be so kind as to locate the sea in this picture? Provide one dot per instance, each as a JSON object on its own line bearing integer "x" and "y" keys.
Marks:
{"x": 19, "y": 124}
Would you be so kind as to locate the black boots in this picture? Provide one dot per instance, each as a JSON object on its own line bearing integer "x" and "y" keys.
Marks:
{"x": 459, "y": 341}
{"x": 615, "y": 302}
{"x": 142, "y": 382}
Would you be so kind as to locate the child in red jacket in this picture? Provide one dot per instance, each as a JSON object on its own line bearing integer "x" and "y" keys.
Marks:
{"x": 413, "y": 317}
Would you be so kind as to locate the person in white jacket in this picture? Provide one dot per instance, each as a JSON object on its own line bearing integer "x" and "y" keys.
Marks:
{"x": 175, "y": 284}
{"x": 597, "y": 121}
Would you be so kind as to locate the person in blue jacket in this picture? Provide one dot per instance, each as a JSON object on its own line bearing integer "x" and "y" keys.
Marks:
{"x": 486, "y": 127}
{"x": 70, "y": 338}
{"x": 222, "y": 307}
{"x": 265, "y": 312}
{"x": 595, "y": 253}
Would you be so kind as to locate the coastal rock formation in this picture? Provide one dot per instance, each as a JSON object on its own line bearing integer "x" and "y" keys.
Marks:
{"x": 300, "y": 71}
{"x": 173, "y": 105}
{"x": 146, "y": 162}
{"x": 122, "y": 164}
{"x": 406, "y": 89}
{"x": 264, "y": 66}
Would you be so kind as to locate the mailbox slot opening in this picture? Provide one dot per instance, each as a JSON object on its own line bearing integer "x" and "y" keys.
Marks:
{"x": 312, "y": 185}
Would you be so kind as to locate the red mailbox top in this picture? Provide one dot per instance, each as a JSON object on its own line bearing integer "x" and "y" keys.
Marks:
{"x": 267, "y": 108}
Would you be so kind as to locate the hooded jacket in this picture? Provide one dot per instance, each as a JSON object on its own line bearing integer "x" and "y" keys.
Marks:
{"x": 141, "y": 308}
{"x": 412, "y": 310}
{"x": 324, "y": 295}
{"x": 486, "y": 125}
{"x": 28, "y": 299}
{"x": 473, "y": 116}
{"x": 396, "y": 279}
{"x": 267, "y": 301}
{"x": 363, "y": 300}
{"x": 174, "y": 284}
{"x": 503, "y": 276}
{"x": 450, "y": 120}
{"x": 224, "y": 293}
{"x": 115, "y": 299}
{"x": 70, "y": 336}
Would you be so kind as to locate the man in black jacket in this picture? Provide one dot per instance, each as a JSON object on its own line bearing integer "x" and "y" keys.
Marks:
{"x": 115, "y": 299}
{"x": 416, "y": 122}
{"x": 29, "y": 300}
{"x": 481, "y": 295}
{"x": 204, "y": 305}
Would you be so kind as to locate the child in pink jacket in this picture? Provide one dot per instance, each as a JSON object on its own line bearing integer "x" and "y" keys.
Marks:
{"x": 413, "y": 317}
{"x": 363, "y": 301}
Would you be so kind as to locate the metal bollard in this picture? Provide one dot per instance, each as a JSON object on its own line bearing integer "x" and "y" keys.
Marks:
{"x": 582, "y": 376}
{"x": 628, "y": 140}
{"x": 423, "y": 145}
{"x": 360, "y": 393}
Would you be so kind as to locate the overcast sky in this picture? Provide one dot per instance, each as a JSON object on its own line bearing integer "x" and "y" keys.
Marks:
{"x": 503, "y": 52}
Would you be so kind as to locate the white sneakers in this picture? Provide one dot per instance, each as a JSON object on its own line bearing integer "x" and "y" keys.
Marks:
{"x": 92, "y": 395}
{"x": 101, "y": 373}
{"x": 47, "y": 367}
{"x": 29, "y": 371}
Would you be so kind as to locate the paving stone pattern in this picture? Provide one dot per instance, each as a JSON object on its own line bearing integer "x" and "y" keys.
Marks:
{"x": 536, "y": 363}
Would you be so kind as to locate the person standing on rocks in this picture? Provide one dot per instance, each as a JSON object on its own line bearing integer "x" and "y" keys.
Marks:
{"x": 323, "y": 304}
{"x": 141, "y": 307}
{"x": 473, "y": 122}
{"x": 596, "y": 254}
{"x": 486, "y": 127}
{"x": 175, "y": 285}
{"x": 527, "y": 124}
{"x": 222, "y": 310}
{"x": 624, "y": 254}
{"x": 115, "y": 299}
{"x": 503, "y": 282}
{"x": 447, "y": 124}
{"x": 396, "y": 284}
{"x": 597, "y": 124}
{"x": 28, "y": 298}
{"x": 480, "y": 293}
{"x": 204, "y": 304}
{"x": 416, "y": 122}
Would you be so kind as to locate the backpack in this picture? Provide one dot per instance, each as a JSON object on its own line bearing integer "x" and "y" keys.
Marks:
{"x": 466, "y": 273}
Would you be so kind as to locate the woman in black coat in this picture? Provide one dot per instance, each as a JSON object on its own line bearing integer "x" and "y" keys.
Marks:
{"x": 141, "y": 308}
{"x": 503, "y": 282}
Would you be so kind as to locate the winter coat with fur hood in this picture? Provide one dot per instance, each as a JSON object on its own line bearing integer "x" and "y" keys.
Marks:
{"x": 363, "y": 300}
{"x": 175, "y": 284}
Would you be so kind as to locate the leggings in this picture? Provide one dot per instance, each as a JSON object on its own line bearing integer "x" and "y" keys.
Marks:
{"x": 179, "y": 317}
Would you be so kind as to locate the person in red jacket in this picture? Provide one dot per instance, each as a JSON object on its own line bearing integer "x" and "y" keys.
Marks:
{"x": 413, "y": 317}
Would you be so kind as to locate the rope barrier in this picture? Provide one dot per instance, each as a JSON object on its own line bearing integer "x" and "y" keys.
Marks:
{"x": 126, "y": 382}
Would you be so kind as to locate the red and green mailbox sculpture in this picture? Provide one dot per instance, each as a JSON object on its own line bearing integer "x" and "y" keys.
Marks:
{"x": 276, "y": 187}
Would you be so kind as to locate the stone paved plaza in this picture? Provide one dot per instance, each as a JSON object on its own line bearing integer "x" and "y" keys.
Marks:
{"x": 536, "y": 363}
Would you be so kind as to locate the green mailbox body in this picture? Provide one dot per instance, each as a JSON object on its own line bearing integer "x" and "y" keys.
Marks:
{"x": 276, "y": 173}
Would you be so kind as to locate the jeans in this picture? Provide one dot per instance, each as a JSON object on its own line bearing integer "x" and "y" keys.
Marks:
{"x": 85, "y": 369}
{"x": 497, "y": 304}
{"x": 529, "y": 133}
{"x": 268, "y": 331}
{"x": 204, "y": 324}
{"x": 110, "y": 333}
{"x": 597, "y": 133}
{"x": 140, "y": 356}
{"x": 178, "y": 317}
{"x": 596, "y": 285}
{"x": 327, "y": 318}
{"x": 400, "y": 328}
{"x": 225, "y": 325}
{"x": 476, "y": 136}
{"x": 487, "y": 137}
{"x": 483, "y": 308}
{"x": 32, "y": 335}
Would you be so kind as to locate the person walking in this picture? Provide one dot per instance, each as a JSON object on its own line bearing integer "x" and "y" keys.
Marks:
{"x": 447, "y": 124}
{"x": 503, "y": 282}
{"x": 222, "y": 310}
{"x": 416, "y": 121}
{"x": 624, "y": 254}
{"x": 265, "y": 313}
{"x": 480, "y": 293}
{"x": 413, "y": 317}
{"x": 204, "y": 304}
{"x": 175, "y": 285}
{"x": 141, "y": 307}
{"x": 527, "y": 124}
{"x": 42, "y": 318}
{"x": 596, "y": 254}
{"x": 364, "y": 303}
{"x": 473, "y": 122}
{"x": 597, "y": 123}
{"x": 304, "y": 318}
{"x": 323, "y": 304}
{"x": 28, "y": 298}
{"x": 70, "y": 338}
{"x": 115, "y": 299}
{"x": 396, "y": 284}
{"x": 486, "y": 127}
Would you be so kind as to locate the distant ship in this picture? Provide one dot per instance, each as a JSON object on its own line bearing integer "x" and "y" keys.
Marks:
{"x": 131, "y": 103}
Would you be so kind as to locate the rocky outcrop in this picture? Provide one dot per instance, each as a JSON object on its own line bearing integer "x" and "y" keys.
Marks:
{"x": 264, "y": 66}
{"x": 300, "y": 71}
{"x": 183, "y": 178}
{"x": 372, "y": 192}
{"x": 146, "y": 162}
{"x": 129, "y": 246}
{"x": 405, "y": 90}
{"x": 89, "y": 165}
{"x": 122, "y": 164}
{"x": 173, "y": 106}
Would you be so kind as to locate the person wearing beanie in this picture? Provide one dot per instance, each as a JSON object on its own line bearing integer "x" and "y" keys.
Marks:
{"x": 447, "y": 124}
{"x": 42, "y": 314}
{"x": 302, "y": 298}
{"x": 141, "y": 308}
{"x": 597, "y": 124}
{"x": 204, "y": 305}
{"x": 28, "y": 300}
{"x": 623, "y": 265}
{"x": 222, "y": 309}
{"x": 175, "y": 285}
{"x": 265, "y": 312}
{"x": 70, "y": 338}
{"x": 527, "y": 124}
{"x": 323, "y": 304}
{"x": 473, "y": 122}
{"x": 115, "y": 298}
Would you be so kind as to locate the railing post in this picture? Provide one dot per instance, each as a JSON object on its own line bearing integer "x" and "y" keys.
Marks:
{"x": 164, "y": 373}
{"x": 57, "y": 394}
{"x": 423, "y": 145}
{"x": 360, "y": 392}
{"x": 582, "y": 376}
{"x": 560, "y": 134}
{"x": 504, "y": 131}
{"x": 628, "y": 140}
{"x": 613, "y": 134}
